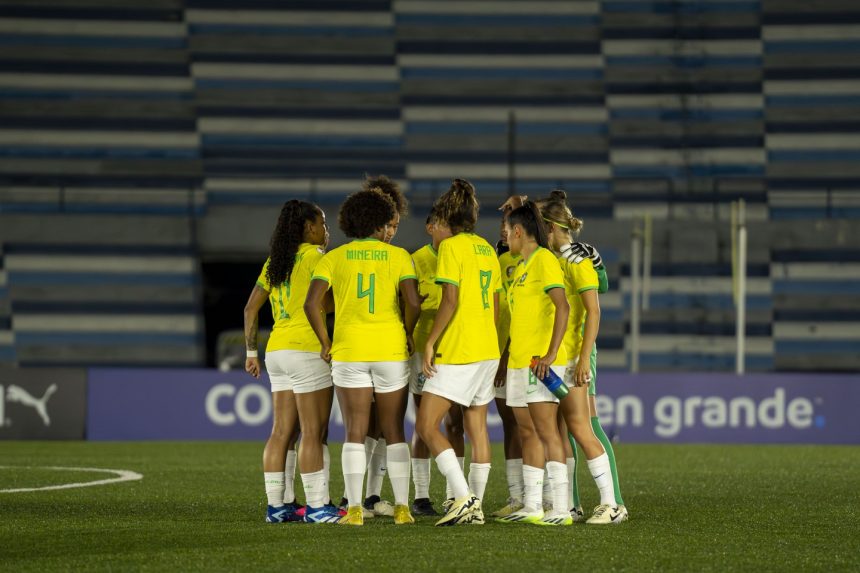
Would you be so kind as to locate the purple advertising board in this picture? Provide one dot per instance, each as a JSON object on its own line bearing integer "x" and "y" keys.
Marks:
{"x": 173, "y": 404}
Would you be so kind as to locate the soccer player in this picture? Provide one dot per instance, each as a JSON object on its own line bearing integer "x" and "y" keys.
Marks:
{"x": 460, "y": 369}
{"x": 513, "y": 450}
{"x": 374, "y": 443}
{"x": 301, "y": 380}
{"x": 425, "y": 260}
{"x": 372, "y": 341}
{"x": 539, "y": 313}
{"x": 578, "y": 408}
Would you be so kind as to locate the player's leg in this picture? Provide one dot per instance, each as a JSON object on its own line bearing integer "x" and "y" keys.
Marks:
{"x": 420, "y": 452}
{"x": 601, "y": 435}
{"x": 376, "y": 448}
{"x": 284, "y": 426}
{"x": 455, "y": 434}
{"x": 570, "y": 461}
{"x": 534, "y": 462}
{"x": 314, "y": 409}
{"x": 513, "y": 457}
{"x": 544, "y": 416}
{"x": 390, "y": 382}
{"x": 475, "y": 426}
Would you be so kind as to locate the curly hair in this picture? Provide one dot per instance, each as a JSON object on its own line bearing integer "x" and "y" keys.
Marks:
{"x": 387, "y": 186}
{"x": 458, "y": 207}
{"x": 288, "y": 235}
{"x": 555, "y": 210}
{"x": 529, "y": 217}
{"x": 365, "y": 212}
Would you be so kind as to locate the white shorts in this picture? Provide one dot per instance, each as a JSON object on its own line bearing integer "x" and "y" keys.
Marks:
{"x": 416, "y": 364}
{"x": 381, "y": 376}
{"x": 524, "y": 388}
{"x": 297, "y": 371}
{"x": 465, "y": 384}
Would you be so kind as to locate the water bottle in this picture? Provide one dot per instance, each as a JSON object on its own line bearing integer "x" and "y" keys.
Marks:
{"x": 552, "y": 381}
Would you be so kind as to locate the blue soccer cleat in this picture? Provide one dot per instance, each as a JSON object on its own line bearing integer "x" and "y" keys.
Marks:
{"x": 284, "y": 514}
{"x": 324, "y": 514}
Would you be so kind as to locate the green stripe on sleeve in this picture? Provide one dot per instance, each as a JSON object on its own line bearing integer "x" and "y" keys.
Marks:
{"x": 319, "y": 278}
{"x": 583, "y": 289}
{"x": 404, "y": 277}
{"x": 262, "y": 286}
{"x": 449, "y": 281}
{"x": 550, "y": 287}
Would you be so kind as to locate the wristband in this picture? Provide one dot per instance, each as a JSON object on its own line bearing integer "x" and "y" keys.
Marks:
{"x": 251, "y": 353}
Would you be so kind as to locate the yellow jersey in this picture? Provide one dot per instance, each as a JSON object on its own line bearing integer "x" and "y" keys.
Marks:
{"x": 578, "y": 278}
{"x": 532, "y": 311}
{"x": 508, "y": 263}
{"x": 425, "y": 260}
{"x": 468, "y": 261}
{"x": 365, "y": 277}
{"x": 292, "y": 331}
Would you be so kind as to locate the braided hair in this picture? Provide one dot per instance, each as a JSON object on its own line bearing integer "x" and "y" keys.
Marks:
{"x": 529, "y": 217}
{"x": 458, "y": 207}
{"x": 289, "y": 234}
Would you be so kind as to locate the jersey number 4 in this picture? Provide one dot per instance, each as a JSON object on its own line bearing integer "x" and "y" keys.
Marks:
{"x": 369, "y": 292}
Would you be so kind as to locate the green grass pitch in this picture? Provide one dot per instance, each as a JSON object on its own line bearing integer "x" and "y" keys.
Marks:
{"x": 200, "y": 506}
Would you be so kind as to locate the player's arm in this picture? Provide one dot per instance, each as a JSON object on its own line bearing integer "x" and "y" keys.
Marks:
{"x": 502, "y": 371}
{"x": 562, "y": 310}
{"x": 496, "y": 308}
{"x": 258, "y": 298}
{"x": 591, "y": 302}
{"x": 411, "y": 309}
{"x": 447, "y": 308}
{"x": 313, "y": 304}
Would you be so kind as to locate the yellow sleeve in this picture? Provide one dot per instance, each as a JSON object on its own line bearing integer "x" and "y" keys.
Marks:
{"x": 448, "y": 267}
{"x": 312, "y": 259}
{"x": 323, "y": 269}
{"x": 550, "y": 273}
{"x": 407, "y": 266}
{"x": 584, "y": 276}
{"x": 263, "y": 280}
{"x": 497, "y": 285}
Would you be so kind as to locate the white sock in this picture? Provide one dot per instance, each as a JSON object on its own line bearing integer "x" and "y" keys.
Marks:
{"x": 602, "y": 474}
{"x": 398, "y": 471}
{"x": 557, "y": 472}
{"x": 546, "y": 494}
{"x": 514, "y": 475}
{"x": 316, "y": 489}
{"x": 478, "y": 476}
{"x": 376, "y": 468}
{"x": 274, "y": 488}
{"x": 532, "y": 486}
{"x": 462, "y": 462}
{"x": 354, "y": 463}
{"x": 447, "y": 464}
{"x": 571, "y": 469}
{"x": 421, "y": 477}
{"x": 327, "y": 473}
{"x": 290, "y": 477}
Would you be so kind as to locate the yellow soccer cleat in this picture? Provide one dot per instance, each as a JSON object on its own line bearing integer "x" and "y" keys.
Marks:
{"x": 522, "y": 516}
{"x": 608, "y": 515}
{"x": 463, "y": 511}
{"x": 354, "y": 516}
{"x": 512, "y": 506}
{"x": 402, "y": 516}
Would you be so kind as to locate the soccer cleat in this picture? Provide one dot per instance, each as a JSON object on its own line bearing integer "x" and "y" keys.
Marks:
{"x": 606, "y": 514}
{"x": 354, "y": 516}
{"x": 463, "y": 511}
{"x": 402, "y": 515}
{"x": 284, "y": 514}
{"x": 324, "y": 514}
{"x": 623, "y": 508}
{"x": 560, "y": 518}
{"x": 301, "y": 511}
{"x": 512, "y": 506}
{"x": 424, "y": 507}
{"x": 378, "y": 507}
{"x": 446, "y": 505}
{"x": 522, "y": 516}
{"x": 577, "y": 514}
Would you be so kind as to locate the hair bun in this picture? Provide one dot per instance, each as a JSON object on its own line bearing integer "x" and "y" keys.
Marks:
{"x": 559, "y": 194}
{"x": 463, "y": 186}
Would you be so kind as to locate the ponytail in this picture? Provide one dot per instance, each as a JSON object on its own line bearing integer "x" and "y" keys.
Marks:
{"x": 529, "y": 218}
{"x": 458, "y": 207}
{"x": 555, "y": 210}
{"x": 289, "y": 234}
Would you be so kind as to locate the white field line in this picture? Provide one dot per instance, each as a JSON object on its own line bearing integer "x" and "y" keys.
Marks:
{"x": 122, "y": 475}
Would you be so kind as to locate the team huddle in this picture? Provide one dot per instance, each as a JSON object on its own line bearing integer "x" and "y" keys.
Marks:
{"x": 458, "y": 324}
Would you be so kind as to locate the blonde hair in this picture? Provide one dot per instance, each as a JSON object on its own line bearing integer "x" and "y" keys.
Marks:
{"x": 555, "y": 211}
{"x": 458, "y": 207}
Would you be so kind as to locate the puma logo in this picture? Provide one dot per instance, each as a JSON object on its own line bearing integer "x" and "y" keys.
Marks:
{"x": 17, "y": 394}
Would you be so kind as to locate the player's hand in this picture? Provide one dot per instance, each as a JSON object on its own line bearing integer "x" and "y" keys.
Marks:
{"x": 252, "y": 366}
{"x": 501, "y": 374}
{"x": 428, "y": 367}
{"x": 579, "y": 251}
{"x": 410, "y": 344}
{"x": 582, "y": 373}
{"x": 513, "y": 202}
{"x": 423, "y": 297}
{"x": 325, "y": 351}
{"x": 542, "y": 366}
